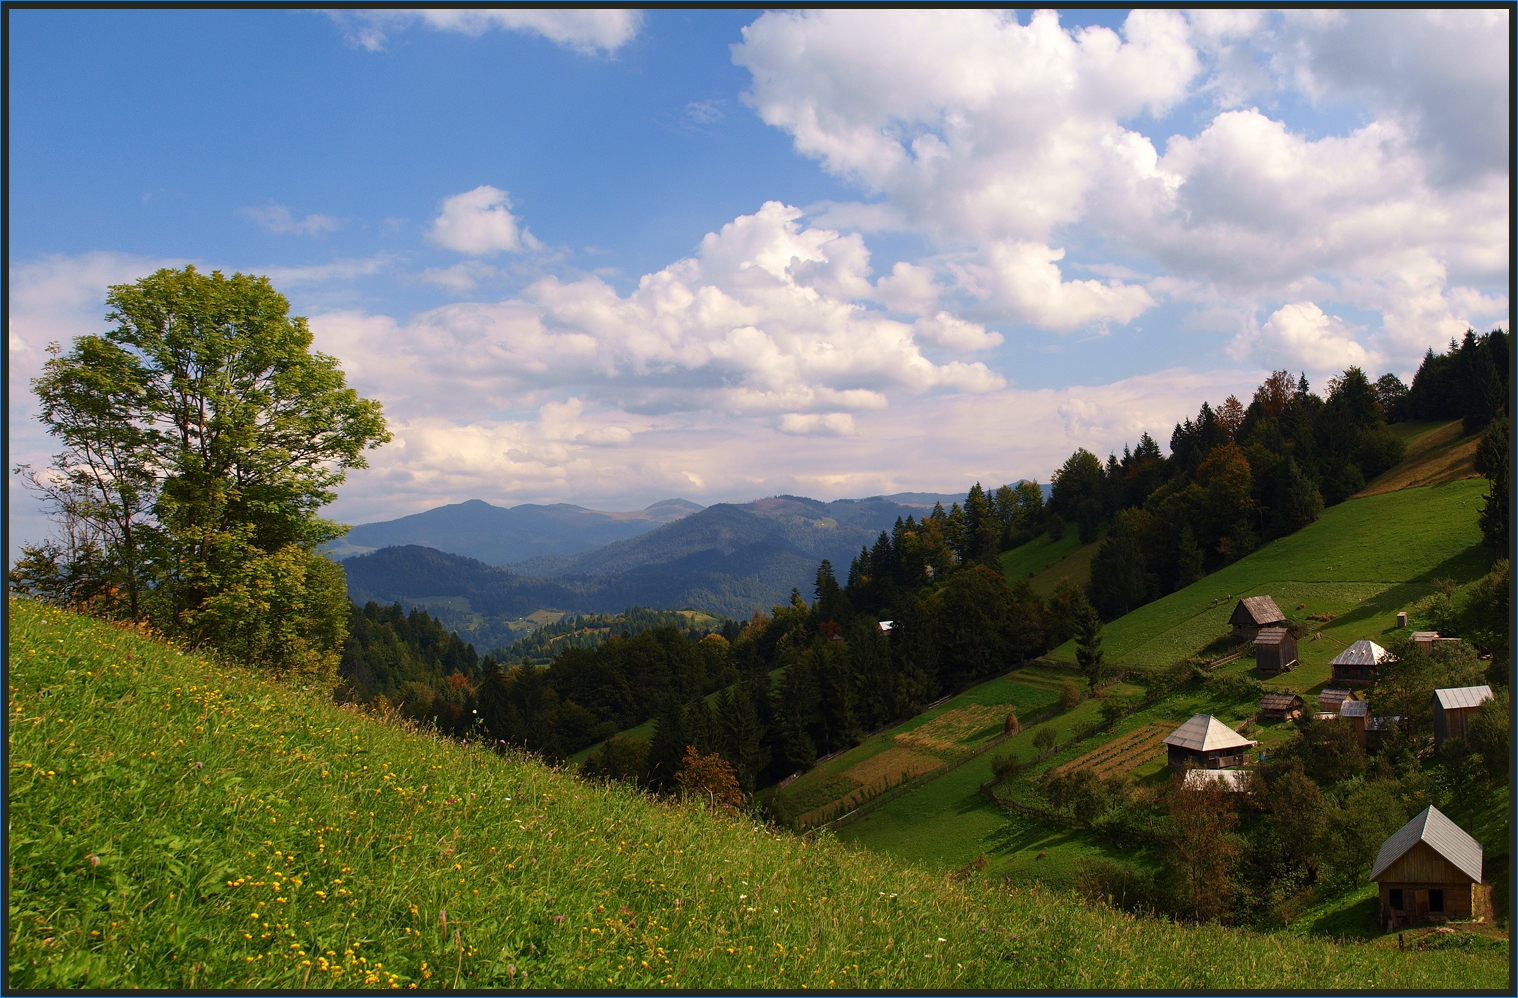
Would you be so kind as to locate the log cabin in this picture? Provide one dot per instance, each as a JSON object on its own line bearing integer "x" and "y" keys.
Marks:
{"x": 1428, "y": 870}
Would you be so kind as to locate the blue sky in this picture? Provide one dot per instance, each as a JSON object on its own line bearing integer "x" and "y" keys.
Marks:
{"x": 609, "y": 258}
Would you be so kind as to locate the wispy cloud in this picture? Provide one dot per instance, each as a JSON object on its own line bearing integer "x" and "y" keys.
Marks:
{"x": 586, "y": 31}
{"x": 277, "y": 218}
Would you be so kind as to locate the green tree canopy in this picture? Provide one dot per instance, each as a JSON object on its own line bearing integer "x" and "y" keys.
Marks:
{"x": 201, "y": 436}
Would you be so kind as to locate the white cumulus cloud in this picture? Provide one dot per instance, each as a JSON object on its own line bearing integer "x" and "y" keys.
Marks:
{"x": 1301, "y": 336}
{"x": 480, "y": 223}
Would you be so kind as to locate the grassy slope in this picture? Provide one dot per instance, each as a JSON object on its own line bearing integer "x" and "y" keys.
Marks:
{"x": 1364, "y": 560}
{"x": 174, "y": 824}
{"x": 1029, "y": 559}
{"x": 1436, "y": 453}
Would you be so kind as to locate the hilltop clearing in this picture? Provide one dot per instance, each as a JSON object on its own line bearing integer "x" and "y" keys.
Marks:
{"x": 1436, "y": 453}
{"x": 178, "y": 824}
{"x": 1362, "y": 561}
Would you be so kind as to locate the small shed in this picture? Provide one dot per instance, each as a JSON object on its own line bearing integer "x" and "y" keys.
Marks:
{"x": 1253, "y": 613}
{"x": 1235, "y": 781}
{"x": 1204, "y": 742}
{"x": 1429, "y": 869}
{"x": 1281, "y": 706}
{"x": 1275, "y": 650}
{"x": 1424, "y": 640}
{"x": 1329, "y": 701}
{"x": 1453, "y": 710}
{"x": 1356, "y": 665}
{"x": 1357, "y": 712}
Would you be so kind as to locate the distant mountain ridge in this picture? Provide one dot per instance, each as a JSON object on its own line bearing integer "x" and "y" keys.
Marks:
{"x": 729, "y": 559}
{"x": 499, "y": 535}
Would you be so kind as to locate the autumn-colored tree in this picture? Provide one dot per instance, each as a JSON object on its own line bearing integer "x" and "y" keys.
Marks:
{"x": 710, "y": 778}
{"x": 1231, "y": 415}
{"x": 1201, "y": 849}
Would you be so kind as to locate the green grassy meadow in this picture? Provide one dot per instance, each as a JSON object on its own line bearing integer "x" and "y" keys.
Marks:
{"x": 1363, "y": 560}
{"x": 1027, "y": 560}
{"x": 174, "y": 823}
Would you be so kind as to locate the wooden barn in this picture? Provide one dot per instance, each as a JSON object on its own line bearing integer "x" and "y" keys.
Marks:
{"x": 1356, "y": 712}
{"x": 1329, "y": 701}
{"x": 1281, "y": 706}
{"x": 1453, "y": 710}
{"x": 1428, "y": 870}
{"x": 1204, "y": 742}
{"x": 1253, "y": 613}
{"x": 1356, "y": 665}
{"x": 1275, "y": 650}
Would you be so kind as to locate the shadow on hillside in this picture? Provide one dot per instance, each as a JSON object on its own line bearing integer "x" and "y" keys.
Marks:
{"x": 1467, "y": 566}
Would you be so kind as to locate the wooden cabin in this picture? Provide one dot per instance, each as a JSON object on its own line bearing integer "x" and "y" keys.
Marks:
{"x": 1453, "y": 710}
{"x": 1356, "y": 712}
{"x": 1357, "y": 664}
{"x": 1275, "y": 650}
{"x": 1204, "y": 742}
{"x": 1253, "y": 613}
{"x": 1329, "y": 701}
{"x": 1427, "y": 641}
{"x": 1281, "y": 706}
{"x": 1428, "y": 870}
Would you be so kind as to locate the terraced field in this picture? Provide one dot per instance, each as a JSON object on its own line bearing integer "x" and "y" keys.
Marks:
{"x": 1122, "y": 756}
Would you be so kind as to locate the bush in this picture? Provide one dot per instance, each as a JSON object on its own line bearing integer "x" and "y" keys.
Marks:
{"x": 1069, "y": 696}
{"x": 1045, "y": 738}
{"x": 1119, "y": 885}
{"x": 1006, "y": 767}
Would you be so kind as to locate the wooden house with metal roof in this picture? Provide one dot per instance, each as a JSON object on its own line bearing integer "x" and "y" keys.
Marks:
{"x": 1204, "y": 742}
{"x": 1253, "y": 613}
{"x": 1453, "y": 709}
{"x": 1357, "y": 664}
{"x": 1428, "y": 870}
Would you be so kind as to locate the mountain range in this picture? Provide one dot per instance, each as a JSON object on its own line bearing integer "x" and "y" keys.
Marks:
{"x": 499, "y": 535}
{"x": 730, "y": 559}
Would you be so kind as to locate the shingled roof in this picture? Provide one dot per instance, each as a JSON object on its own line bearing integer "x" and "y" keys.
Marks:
{"x": 1463, "y": 696}
{"x": 1270, "y": 636}
{"x": 1261, "y": 609}
{"x": 1363, "y": 652}
{"x": 1204, "y": 733}
{"x": 1280, "y": 701}
{"x": 1447, "y": 839}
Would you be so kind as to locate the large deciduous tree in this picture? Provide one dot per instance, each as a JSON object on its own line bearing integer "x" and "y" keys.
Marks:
{"x": 201, "y": 435}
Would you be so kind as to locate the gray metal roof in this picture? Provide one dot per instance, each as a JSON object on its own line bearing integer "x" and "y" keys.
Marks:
{"x": 1261, "y": 609}
{"x": 1463, "y": 696}
{"x": 1363, "y": 652}
{"x": 1447, "y": 839}
{"x": 1270, "y": 636}
{"x": 1203, "y": 733}
{"x": 1354, "y": 708}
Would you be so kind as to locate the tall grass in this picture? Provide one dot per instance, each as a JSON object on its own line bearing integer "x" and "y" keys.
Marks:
{"x": 175, "y": 824}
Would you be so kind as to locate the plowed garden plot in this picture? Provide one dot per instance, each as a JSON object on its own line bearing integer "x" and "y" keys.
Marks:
{"x": 947, "y": 733}
{"x": 872, "y": 777}
{"x": 1121, "y": 755}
